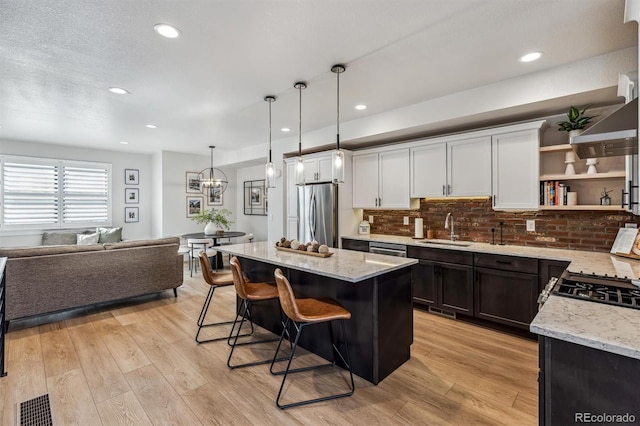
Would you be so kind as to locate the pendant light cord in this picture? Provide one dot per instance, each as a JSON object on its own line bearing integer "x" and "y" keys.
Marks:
{"x": 300, "y": 121}
{"x": 338, "y": 110}
{"x": 270, "y": 129}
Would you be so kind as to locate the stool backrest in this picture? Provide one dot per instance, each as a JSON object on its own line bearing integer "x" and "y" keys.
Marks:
{"x": 207, "y": 271}
{"x": 287, "y": 298}
{"x": 238, "y": 278}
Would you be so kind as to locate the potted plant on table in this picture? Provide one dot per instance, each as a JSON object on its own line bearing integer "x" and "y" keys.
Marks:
{"x": 217, "y": 220}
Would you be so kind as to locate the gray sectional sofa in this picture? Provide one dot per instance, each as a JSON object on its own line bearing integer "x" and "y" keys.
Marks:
{"x": 47, "y": 279}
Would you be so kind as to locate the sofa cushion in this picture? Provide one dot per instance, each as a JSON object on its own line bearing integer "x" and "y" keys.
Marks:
{"x": 87, "y": 239}
{"x": 55, "y": 238}
{"x": 16, "y": 252}
{"x": 142, "y": 243}
{"x": 109, "y": 235}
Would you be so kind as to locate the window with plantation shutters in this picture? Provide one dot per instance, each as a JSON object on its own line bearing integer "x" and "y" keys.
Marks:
{"x": 44, "y": 193}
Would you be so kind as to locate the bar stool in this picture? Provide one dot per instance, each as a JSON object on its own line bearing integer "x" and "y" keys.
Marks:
{"x": 197, "y": 244}
{"x": 215, "y": 280}
{"x": 250, "y": 293}
{"x": 302, "y": 313}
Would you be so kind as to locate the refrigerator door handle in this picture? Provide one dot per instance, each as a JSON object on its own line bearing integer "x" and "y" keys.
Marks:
{"x": 312, "y": 216}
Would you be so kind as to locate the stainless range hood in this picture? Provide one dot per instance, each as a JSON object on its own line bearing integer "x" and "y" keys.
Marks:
{"x": 616, "y": 134}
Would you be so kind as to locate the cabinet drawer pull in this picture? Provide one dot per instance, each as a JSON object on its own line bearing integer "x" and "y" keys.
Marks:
{"x": 503, "y": 262}
{"x": 443, "y": 190}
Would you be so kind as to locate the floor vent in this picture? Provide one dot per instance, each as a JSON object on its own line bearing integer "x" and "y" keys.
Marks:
{"x": 36, "y": 412}
{"x": 438, "y": 311}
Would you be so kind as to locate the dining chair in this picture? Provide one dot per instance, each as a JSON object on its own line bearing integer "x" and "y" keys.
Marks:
{"x": 196, "y": 245}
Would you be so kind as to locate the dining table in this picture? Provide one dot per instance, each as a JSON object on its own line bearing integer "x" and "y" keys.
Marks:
{"x": 216, "y": 239}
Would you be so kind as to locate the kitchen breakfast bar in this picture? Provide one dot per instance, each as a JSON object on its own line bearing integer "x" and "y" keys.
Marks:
{"x": 375, "y": 288}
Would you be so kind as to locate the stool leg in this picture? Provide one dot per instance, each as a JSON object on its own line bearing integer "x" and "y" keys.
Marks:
{"x": 203, "y": 314}
{"x": 289, "y": 370}
{"x": 247, "y": 315}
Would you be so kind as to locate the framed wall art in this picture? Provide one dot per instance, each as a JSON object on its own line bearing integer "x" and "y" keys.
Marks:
{"x": 131, "y": 195}
{"x": 131, "y": 214}
{"x": 255, "y": 198}
{"x": 194, "y": 206}
{"x": 131, "y": 176}
{"x": 193, "y": 182}
{"x": 214, "y": 196}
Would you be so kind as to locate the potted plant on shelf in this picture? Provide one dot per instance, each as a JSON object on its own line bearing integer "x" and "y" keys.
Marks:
{"x": 217, "y": 220}
{"x": 577, "y": 120}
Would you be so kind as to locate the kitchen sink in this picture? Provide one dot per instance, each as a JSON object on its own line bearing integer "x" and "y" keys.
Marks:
{"x": 446, "y": 243}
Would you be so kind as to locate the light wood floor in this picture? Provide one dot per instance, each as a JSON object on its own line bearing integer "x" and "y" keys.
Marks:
{"x": 137, "y": 363}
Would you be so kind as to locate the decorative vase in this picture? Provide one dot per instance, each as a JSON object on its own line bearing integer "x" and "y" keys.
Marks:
{"x": 574, "y": 133}
{"x": 210, "y": 229}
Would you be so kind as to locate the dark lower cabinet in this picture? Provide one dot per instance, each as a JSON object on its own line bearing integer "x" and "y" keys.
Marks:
{"x": 579, "y": 384}
{"x": 444, "y": 285}
{"x": 3, "y": 327}
{"x": 549, "y": 269}
{"x": 423, "y": 278}
{"x": 506, "y": 297}
{"x": 357, "y": 245}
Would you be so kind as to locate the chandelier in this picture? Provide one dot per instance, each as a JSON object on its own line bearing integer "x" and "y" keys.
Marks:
{"x": 213, "y": 179}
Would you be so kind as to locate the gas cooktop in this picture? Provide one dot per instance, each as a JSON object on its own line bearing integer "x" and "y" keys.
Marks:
{"x": 609, "y": 290}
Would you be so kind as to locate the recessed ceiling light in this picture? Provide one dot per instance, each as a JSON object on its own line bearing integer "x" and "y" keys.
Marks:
{"x": 124, "y": 143}
{"x": 285, "y": 129}
{"x": 118, "y": 91}
{"x": 531, "y": 57}
{"x": 166, "y": 30}
{"x": 360, "y": 107}
{"x": 151, "y": 126}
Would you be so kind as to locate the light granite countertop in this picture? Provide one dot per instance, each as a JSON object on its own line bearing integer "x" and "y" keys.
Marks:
{"x": 596, "y": 325}
{"x": 610, "y": 328}
{"x": 587, "y": 262}
{"x": 346, "y": 265}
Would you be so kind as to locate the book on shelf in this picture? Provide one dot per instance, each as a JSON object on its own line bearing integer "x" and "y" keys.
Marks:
{"x": 553, "y": 193}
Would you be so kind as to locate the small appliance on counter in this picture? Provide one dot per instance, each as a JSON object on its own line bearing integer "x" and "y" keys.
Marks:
{"x": 364, "y": 228}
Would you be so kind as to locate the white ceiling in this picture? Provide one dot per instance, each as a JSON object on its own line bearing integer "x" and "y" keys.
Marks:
{"x": 57, "y": 60}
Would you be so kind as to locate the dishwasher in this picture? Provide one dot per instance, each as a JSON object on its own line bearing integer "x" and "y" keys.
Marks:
{"x": 389, "y": 249}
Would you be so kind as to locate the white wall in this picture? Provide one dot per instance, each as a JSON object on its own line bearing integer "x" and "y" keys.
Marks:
{"x": 257, "y": 225}
{"x": 175, "y": 165}
{"x": 119, "y": 161}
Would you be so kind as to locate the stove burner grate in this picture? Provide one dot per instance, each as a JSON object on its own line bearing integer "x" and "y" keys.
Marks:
{"x": 598, "y": 292}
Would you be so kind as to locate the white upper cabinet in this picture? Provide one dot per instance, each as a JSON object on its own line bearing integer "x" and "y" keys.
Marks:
{"x": 365, "y": 180}
{"x": 516, "y": 165}
{"x": 457, "y": 167}
{"x": 428, "y": 170}
{"x": 469, "y": 167}
{"x": 317, "y": 168}
{"x": 381, "y": 179}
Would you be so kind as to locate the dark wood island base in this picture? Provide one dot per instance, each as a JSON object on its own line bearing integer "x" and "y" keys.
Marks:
{"x": 380, "y": 331}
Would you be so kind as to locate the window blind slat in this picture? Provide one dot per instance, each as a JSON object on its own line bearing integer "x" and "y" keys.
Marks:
{"x": 43, "y": 191}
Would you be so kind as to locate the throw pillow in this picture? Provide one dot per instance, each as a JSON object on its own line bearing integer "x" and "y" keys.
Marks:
{"x": 87, "y": 239}
{"x": 109, "y": 235}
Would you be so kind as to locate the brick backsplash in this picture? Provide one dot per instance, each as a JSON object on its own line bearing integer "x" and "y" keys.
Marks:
{"x": 474, "y": 219}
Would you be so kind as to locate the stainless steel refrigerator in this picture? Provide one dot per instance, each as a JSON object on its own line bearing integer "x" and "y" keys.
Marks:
{"x": 318, "y": 213}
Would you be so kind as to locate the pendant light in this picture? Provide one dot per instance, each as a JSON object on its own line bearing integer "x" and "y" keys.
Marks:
{"x": 337, "y": 157}
{"x": 299, "y": 159}
{"x": 270, "y": 169}
{"x": 213, "y": 181}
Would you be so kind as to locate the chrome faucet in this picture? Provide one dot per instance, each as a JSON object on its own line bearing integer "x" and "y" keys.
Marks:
{"x": 449, "y": 223}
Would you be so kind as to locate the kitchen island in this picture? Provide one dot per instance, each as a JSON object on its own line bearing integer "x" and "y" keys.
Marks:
{"x": 375, "y": 288}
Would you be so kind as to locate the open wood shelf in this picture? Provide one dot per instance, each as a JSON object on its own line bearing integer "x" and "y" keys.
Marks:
{"x": 555, "y": 148}
{"x": 583, "y": 207}
{"x": 607, "y": 175}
